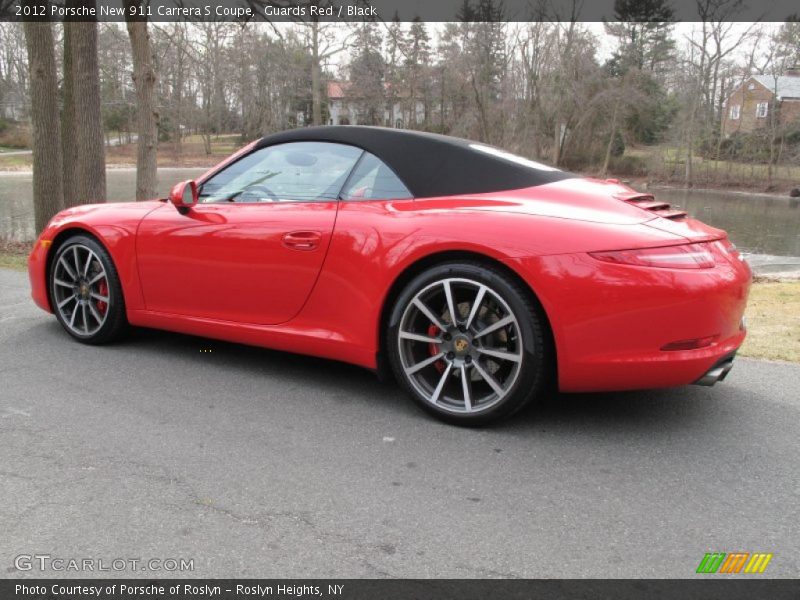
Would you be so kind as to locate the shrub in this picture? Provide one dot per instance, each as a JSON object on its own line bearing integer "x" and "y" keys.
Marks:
{"x": 618, "y": 144}
{"x": 628, "y": 166}
{"x": 15, "y": 135}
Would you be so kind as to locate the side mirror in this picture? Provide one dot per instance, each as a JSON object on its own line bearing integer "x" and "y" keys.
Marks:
{"x": 184, "y": 195}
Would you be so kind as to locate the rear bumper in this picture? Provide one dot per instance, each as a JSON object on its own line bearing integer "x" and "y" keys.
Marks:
{"x": 611, "y": 322}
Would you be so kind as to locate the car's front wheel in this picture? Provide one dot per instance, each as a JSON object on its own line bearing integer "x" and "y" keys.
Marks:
{"x": 467, "y": 342}
{"x": 85, "y": 291}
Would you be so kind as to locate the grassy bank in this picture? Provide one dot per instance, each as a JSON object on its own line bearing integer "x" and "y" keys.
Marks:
{"x": 191, "y": 154}
{"x": 16, "y": 162}
{"x": 14, "y": 255}
{"x": 665, "y": 164}
{"x": 773, "y": 321}
{"x": 773, "y": 312}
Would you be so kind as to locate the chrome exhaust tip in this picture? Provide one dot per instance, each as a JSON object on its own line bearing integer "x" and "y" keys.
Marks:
{"x": 716, "y": 373}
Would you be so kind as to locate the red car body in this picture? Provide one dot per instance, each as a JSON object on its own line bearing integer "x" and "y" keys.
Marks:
{"x": 235, "y": 272}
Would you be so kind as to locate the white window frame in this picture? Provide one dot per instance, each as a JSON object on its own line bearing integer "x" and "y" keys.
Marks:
{"x": 736, "y": 111}
{"x": 762, "y": 109}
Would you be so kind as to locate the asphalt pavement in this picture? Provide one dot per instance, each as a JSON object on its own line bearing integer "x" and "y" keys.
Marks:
{"x": 254, "y": 463}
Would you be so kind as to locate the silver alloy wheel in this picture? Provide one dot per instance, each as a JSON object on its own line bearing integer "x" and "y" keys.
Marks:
{"x": 460, "y": 345}
{"x": 81, "y": 290}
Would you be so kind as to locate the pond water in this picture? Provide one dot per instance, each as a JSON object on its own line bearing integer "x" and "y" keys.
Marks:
{"x": 767, "y": 228}
{"x": 16, "y": 195}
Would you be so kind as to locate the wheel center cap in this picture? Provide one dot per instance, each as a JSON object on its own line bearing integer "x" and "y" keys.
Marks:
{"x": 84, "y": 290}
{"x": 461, "y": 344}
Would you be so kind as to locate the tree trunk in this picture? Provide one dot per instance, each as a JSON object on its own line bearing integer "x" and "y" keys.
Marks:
{"x": 87, "y": 119}
{"x": 144, "y": 79}
{"x": 48, "y": 189}
{"x": 68, "y": 141}
{"x": 610, "y": 144}
{"x": 316, "y": 92}
{"x": 688, "y": 177}
{"x": 557, "y": 139}
{"x": 178, "y": 101}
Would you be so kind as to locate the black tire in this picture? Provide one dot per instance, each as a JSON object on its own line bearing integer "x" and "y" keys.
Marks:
{"x": 113, "y": 324}
{"x": 521, "y": 376}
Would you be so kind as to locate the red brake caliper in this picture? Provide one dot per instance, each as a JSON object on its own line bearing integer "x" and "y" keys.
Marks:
{"x": 433, "y": 331}
{"x": 102, "y": 289}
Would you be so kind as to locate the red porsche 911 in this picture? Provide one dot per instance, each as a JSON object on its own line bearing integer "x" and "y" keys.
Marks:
{"x": 477, "y": 277}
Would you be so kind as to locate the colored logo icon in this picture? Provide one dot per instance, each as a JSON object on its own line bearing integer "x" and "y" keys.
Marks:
{"x": 734, "y": 562}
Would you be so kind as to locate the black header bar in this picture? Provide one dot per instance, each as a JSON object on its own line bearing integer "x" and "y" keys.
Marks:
{"x": 379, "y": 10}
{"x": 397, "y": 589}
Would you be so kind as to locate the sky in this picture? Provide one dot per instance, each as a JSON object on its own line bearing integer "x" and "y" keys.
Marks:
{"x": 606, "y": 43}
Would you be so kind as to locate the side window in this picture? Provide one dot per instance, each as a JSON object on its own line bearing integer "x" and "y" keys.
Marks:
{"x": 373, "y": 180}
{"x": 292, "y": 172}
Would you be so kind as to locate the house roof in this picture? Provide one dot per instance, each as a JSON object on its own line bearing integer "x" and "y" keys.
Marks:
{"x": 430, "y": 164}
{"x": 786, "y": 86}
{"x": 336, "y": 89}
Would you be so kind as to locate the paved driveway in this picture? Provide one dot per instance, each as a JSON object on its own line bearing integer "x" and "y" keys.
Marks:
{"x": 258, "y": 463}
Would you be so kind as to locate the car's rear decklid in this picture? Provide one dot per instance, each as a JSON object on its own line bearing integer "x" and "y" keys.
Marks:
{"x": 672, "y": 220}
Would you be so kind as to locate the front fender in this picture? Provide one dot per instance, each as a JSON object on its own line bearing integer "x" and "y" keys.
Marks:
{"x": 113, "y": 225}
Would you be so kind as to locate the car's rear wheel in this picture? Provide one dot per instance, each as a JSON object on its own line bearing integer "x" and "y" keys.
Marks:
{"x": 85, "y": 291}
{"x": 467, "y": 342}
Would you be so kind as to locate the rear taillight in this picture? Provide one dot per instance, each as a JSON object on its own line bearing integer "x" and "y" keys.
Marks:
{"x": 728, "y": 248}
{"x": 687, "y": 256}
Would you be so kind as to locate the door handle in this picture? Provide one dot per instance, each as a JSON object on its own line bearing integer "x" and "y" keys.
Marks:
{"x": 302, "y": 240}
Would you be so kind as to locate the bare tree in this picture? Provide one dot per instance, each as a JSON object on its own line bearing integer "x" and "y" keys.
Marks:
{"x": 323, "y": 45}
{"x": 48, "y": 191}
{"x": 316, "y": 91}
{"x": 147, "y": 115}
{"x": 716, "y": 37}
{"x": 174, "y": 55}
{"x": 13, "y": 68}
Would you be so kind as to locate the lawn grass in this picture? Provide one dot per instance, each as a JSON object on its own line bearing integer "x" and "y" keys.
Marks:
{"x": 773, "y": 321}
{"x": 13, "y": 261}
{"x": 16, "y": 162}
{"x": 192, "y": 153}
{"x": 14, "y": 255}
{"x": 666, "y": 164}
{"x": 124, "y": 155}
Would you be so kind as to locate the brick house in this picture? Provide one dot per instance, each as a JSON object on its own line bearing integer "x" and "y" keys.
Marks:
{"x": 751, "y": 103}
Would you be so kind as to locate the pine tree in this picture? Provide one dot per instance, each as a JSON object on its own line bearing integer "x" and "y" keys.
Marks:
{"x": 418, "y": 56}
{"x": 643, "y": 30}
{"x": 366, "y": 90}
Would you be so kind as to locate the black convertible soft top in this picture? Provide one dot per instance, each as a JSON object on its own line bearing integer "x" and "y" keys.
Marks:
{"x": 430, "y": 164}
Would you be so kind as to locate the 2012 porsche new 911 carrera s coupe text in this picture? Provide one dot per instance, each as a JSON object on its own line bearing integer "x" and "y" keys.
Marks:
{"x": 476, "y": 277}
